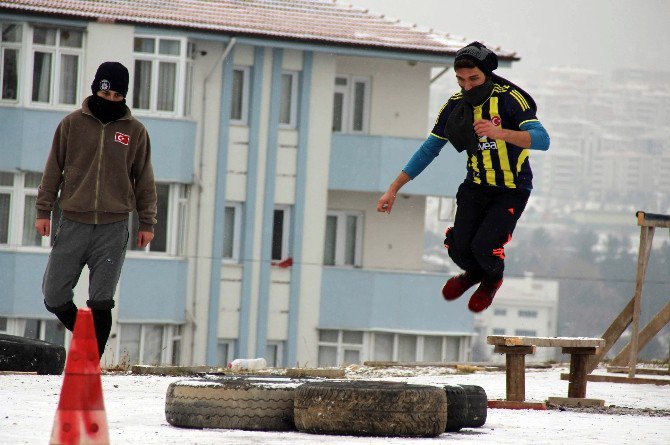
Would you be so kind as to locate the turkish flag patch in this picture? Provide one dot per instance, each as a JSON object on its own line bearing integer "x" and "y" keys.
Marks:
{"x": 122, "y": 138}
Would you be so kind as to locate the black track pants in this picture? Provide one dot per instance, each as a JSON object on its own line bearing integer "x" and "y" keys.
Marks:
{"x": 485, "y": 219}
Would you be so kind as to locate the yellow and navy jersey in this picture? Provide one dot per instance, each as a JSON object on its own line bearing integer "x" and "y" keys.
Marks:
{"x": 496, "y": 162}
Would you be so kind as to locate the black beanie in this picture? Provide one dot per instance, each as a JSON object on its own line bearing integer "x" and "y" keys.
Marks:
{"x": 111, "y": 76}
{"x": 485, "y": 59}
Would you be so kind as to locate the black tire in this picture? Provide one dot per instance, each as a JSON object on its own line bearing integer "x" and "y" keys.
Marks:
{"x": 477, "y": 406}
{"x": 457, "y": 407}
{"x": 245, "y": 403}
{"x": 364, "y": 408}
{"x": 22, "y": 354}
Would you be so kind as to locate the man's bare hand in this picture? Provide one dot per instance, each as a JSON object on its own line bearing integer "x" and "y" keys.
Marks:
{"x": 486, "y": 128}
{"x": 385, "y": 203}
{"x": 144, "y": 238}
{"x": 43, "y": 226}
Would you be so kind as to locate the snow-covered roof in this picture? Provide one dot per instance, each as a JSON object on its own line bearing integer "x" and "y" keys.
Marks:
{"x": 316, "y": 21}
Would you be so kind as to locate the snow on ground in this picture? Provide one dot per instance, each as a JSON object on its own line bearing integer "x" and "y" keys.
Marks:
{"x": 135, "y": 412}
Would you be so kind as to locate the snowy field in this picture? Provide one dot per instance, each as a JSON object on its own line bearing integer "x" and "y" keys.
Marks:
{"x": 135, "y": 412}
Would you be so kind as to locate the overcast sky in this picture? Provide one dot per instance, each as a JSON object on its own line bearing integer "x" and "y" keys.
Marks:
{"x": 595, "y": 34}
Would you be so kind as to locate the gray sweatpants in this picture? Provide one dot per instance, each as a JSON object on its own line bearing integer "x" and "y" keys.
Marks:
{"x": 102, "y": 247}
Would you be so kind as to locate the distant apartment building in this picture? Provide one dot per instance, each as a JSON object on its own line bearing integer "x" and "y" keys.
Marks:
{"x": 523, "y": 307}
{"x": 606, "y": 141}
{"x": 275, "y": 127}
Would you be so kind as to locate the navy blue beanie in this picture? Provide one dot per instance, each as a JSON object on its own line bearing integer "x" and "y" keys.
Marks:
{"x": 111, "y": 76}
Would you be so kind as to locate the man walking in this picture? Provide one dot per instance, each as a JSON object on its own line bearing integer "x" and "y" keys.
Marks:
{"x": 99, "y": 169}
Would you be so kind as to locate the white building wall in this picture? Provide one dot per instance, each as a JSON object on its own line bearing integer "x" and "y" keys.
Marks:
{"x": 98, "y": 36}
{"x": 399, "y": 94}
{"x": 316, "y": 191}
{"x": 527, "y": 294}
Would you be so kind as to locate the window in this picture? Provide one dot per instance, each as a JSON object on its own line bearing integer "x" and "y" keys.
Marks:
{"x": 170, "y": 229}
{"x": 280, "y": 233}
{"x": 225, "y": 351}
{"x": 10, "y": 54}
{"x": 410, "y": 348}
{"x": 51, "y": 331}
{"x": 498, "y": 331}
{"x": 340, "y": 348}
{"x": 527, "y": 314}
{"x": 274, "y": 353}
{"x": 56, "y": 65}
{"x": 351, "y": 104}
{"x": 148, "y": 344}
{"x": 239, "y": 106}
{"x": 6, "y": 191}
{"x": 344, "y": 233}
{"x": 3, "y": 325}
{"x": 432, "y": 349}
{"x": 288, "y": 107}
{"x": 162, "y": 71}
{"x": 525, "y": 332}
{"x": 18, "y": 195}
{"x": 500, "y": 312}
{"x": 231, "y": 231}
{"x": 406, "y": 348}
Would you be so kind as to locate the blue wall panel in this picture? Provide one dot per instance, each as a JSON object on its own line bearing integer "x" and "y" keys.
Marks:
{"x": 27, "y": 135}
{"x": 153, "y": 289}
{"x": 370, "y": 163}
{"x": 361, "y": 300}
{"x": 21, "y": 284}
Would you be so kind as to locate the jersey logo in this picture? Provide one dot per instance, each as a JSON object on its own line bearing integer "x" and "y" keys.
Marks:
{"x": 122, "y": 138}
{"x": 488, "y": 146}
{"x": 495, "y": 120}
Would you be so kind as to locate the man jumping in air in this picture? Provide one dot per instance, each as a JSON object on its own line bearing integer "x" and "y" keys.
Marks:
{"x": 494, "y": 121}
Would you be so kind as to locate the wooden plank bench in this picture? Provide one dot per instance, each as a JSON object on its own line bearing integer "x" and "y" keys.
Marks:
{"x": 515, "y": 348}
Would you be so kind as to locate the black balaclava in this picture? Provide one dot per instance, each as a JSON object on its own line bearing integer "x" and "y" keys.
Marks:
{"x": 110, "y": 76}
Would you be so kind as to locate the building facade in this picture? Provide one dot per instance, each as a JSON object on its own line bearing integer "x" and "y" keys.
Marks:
{"x": 524, "y": 307}
{"x": 272, "y": 138}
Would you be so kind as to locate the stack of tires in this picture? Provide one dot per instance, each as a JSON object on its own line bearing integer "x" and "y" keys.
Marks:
{"x": 20, "y": 354}
{"x": 355, "y": 407}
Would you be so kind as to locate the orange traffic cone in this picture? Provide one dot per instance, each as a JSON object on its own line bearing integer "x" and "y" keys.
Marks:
{"x": 80, "y": 417}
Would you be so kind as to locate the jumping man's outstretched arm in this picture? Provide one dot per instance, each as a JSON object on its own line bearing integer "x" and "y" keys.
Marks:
{"x": 419, "y": 161}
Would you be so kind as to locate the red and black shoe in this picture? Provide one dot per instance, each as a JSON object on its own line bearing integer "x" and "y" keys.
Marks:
{"x": 456, "y": 286}
{"x": 483, "y": 296}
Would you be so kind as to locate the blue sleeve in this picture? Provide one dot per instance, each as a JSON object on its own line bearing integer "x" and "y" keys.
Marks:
{"x": 539, "y": 138}
{"x": 424, "y": 156}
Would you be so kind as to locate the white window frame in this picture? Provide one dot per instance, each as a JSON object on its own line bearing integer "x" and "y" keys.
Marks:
{"x": 419, "y": 344}
{"x": 348, "y": 103}
{"x": 342, "y": 347}
{"x": 286, "y": 232}
{"x": 230, "y": 342}
{"x": 237, "y": 232}
{"x": 280, "y": 352}
{"x": 246, "y": 88}
{"x": 167, "y": 341}
{"x": 341, "y": 234}
{"x": 182, "y": 90}
{"x": 57, "y": 51}
{"x": 20, "y": 47}
{"x": 175, "y": 237}
{"x": 293, "y": 106}
{"x": 528, "y": 313}
{"x": 17, "y": 205}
